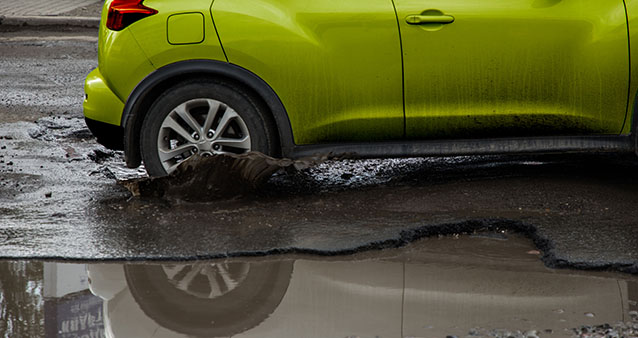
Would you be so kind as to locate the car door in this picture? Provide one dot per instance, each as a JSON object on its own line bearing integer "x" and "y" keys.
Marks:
{"x": 335, "y": 65}
{"x": 495, "y": 68}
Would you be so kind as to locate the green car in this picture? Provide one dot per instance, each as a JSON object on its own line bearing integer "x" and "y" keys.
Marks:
{"x": 368, "y": 78}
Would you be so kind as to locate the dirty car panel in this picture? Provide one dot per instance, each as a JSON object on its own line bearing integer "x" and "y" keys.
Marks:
{"x": 352, "y": 75}
{"x": 514, "y": 68}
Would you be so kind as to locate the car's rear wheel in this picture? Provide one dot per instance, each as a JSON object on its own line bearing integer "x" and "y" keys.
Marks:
{"x": 203, "y": 117}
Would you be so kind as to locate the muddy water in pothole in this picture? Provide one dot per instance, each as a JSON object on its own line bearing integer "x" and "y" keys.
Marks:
{"x": 479, "y": 286}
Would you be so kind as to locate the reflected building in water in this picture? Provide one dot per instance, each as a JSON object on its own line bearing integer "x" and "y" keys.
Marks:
{"x": 70, "y": 309}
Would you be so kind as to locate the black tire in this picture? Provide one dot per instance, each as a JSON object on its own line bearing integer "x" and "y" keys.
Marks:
{"x": 246, "y": 306}
{"x": 260, "y": 126}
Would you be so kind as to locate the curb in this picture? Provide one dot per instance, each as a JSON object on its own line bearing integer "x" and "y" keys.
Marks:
{"x": 74, "y": 21}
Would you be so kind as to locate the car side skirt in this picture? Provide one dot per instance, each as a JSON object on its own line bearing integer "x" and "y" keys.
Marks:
{"x": 526, "y": 145}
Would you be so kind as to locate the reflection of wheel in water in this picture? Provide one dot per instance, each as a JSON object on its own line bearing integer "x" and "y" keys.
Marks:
{"x": 206, "y": 280}
{"x": 209, "y": 299}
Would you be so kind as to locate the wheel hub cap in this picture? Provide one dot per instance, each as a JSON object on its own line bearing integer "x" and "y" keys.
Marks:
{"x": 204, "y": 127}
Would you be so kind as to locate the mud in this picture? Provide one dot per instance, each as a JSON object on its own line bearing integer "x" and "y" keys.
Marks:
{"x": 205, "y": 179}
{"x": 619, "y": 329}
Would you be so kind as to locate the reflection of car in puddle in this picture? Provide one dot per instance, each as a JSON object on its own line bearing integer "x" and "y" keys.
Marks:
{"x": 372, "y": 298}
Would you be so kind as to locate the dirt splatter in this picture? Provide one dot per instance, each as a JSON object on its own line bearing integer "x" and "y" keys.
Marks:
{"x": 203, "y": 179}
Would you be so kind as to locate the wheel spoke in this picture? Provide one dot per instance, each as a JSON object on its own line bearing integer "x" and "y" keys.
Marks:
{"x": 186, "y": 281}
{"x": 170, "y": 123}
{"x": 188, "y": 118}
{"x": 213, "y": 109}
{"x": 213, "y": 283}
{"x": 166, "y": 155}
{"x": 224, "y": 122}
{"x": 172, "y": 270}
{"x": 170, "y": 168}
{"x": 229, "y": 282}
{"x": 241, "y": 143}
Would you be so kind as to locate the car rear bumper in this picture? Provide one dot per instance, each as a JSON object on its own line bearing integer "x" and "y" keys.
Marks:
{"x": 100, "y": 103}
{"x": 103, "y": 111}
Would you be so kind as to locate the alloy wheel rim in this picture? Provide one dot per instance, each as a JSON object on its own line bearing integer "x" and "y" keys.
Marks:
{"x": 201, "y": 126}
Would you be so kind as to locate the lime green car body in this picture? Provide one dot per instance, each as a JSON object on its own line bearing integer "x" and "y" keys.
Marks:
{"x": 389, "y": 71}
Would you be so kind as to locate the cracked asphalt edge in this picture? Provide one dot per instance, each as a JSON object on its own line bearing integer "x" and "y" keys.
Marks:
{"x": 402, "y": 239}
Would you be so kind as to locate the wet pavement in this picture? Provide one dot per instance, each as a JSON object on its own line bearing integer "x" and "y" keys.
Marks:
{"x": 61, "y": 199}
{"x": 60, "y": 196}
{"x": 468, "y": 286}
{"x": 421, "y": 247}
{"x": 42, "y": 72}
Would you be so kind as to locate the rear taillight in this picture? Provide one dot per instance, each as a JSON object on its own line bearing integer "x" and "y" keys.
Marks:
{"x": 122, "y": 13}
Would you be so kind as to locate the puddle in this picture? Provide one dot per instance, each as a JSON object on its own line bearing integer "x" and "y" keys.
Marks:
{"x": 465, "y": 286}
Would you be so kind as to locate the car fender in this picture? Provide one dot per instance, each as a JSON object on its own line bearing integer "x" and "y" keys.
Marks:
{"x": 158, "y": 81}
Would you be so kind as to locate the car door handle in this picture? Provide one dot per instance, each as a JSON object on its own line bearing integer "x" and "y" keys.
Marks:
{"x": 418, "y": 19}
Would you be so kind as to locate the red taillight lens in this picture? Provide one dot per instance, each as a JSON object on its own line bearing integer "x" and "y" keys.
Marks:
{"x": 122, "y": 13}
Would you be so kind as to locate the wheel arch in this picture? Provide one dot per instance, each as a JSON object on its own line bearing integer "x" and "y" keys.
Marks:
{"x": 632, "y": 120}
{"x": 147, "y": 91}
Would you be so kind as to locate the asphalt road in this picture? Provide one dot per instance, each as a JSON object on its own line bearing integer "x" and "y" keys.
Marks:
{"x": 59, "y": 196}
